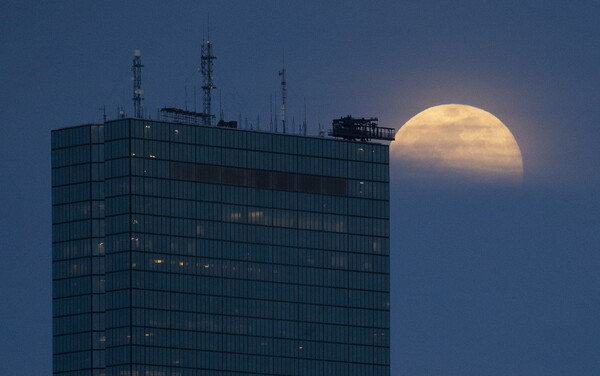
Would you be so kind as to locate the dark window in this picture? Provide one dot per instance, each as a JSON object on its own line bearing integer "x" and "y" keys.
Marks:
{"x": 263, "y": 179}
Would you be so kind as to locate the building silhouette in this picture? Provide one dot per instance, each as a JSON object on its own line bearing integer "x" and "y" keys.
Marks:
{"x": 184, "y": 249}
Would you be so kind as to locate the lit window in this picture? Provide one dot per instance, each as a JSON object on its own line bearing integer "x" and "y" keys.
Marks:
{"x": 152, "y": 156}
{"x": 255, "y": 215}
{"x": 147, "y": 126}
{"x": 376, "y": 246}
{"x": 159, "y": 261}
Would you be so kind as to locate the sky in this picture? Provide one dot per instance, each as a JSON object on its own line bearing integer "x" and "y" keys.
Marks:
{"x": 484, "y": 280}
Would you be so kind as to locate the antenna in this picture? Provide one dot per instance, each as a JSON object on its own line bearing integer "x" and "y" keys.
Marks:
{"x": 321, "y": 129}
{"x": 220, "y": 107}
{"x": 137, "y": 84}
{"x": 271, "y": 128}
{"x": 283, "y": 95}
{"x": 103, "y": 109}
{"x": 195, "y": 99}
{"x": 303, "y": 126}
{"x": 206, "y": 67}
{"x": 186, "y": 94}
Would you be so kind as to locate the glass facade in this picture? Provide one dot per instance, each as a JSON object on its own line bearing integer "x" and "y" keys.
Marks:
{"x": 193, "y": 250}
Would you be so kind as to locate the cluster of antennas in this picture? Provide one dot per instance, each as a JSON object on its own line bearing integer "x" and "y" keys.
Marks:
{"x": 349, "y": 128}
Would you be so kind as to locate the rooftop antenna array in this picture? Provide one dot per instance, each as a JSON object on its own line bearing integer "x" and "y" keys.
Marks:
{"x": 137, "y": 84}
{"x": 206, "y": 67}
{"x": 283, "y": 96}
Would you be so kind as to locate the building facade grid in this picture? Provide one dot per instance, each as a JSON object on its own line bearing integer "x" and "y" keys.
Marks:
{"x": 194, "y": 250}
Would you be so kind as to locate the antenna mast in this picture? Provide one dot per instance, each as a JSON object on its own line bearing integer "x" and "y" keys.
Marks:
{"x": 206, "y": 67}
{"x": 283, "y": 96}
{"x": 137, "y": 84}
{"x": 303, "y": 127}
{"x": 220, "y": 107}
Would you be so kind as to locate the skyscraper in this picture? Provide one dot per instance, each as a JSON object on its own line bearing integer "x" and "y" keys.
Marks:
{"x": 185, "y": 249}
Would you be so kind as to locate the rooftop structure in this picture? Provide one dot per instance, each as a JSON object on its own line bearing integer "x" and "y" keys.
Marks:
{"x": 364, "y": 129}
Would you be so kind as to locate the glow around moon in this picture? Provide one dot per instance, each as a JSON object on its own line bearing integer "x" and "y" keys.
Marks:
{"x": 457, "y": 142}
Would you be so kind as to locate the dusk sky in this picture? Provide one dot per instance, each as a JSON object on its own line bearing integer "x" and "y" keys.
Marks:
{"x": 485, "y": 280}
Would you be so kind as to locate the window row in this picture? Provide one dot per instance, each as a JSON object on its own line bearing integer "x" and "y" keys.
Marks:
{"x": 79, "y": 360}
{"x": 247, "y": 178}
{"x": 78, "y": 342}
{"x": 177, "y": 249}
{"x": 224, "y": 248}
{"x": 242, "y": 326}
{"x": 78, "y": 230}
{"x": 177, "y": 194}
{"x": 76, "y": 286}
{"x": 78, "y": 248}
{"x": 201, "y": 212}
{"x": 80, "y": 322}
{"x": 220, "y": 305}
{"x": 203, "y": 266}
{"x": 77, "y": 192}
{"x": 203, "y": 363}
{"x": 72, "y": 136}
{"x": 245, "y": 213}
{"x": 247, "y": 289}
{"x": 76, "y": 155}
{"x": 78, "y": 211}
{"x": 279, "y": 236}
{"x": 244, "y": 344}
{"x": 248, "y": 159}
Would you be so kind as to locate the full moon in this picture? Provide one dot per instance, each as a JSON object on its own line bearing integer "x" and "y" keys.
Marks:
{"x": 458, "y": 142}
